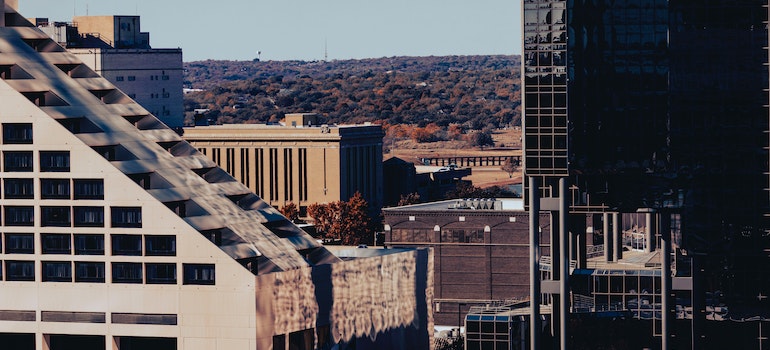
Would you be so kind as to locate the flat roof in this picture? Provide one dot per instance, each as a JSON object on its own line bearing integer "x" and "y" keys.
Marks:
{"x": 471, "y": 204}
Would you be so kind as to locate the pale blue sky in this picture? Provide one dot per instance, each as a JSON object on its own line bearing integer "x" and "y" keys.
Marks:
{"x": 297, "y": 29}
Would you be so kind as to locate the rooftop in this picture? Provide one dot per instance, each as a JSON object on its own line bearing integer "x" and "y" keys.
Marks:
{"x": 467, "y": 204}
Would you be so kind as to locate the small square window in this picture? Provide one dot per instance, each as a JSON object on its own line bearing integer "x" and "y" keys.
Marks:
{"x": 55, "y": 188}
{"x": 159, "y": 245}
{"x": 127, "y": 245}
{"x": 57, "y": 271}
{"x": 126, "y": 216}
{"x": 55, "y": 216}
{"x": 19, "y": 216}
{"x": 89, "y": 188}
{"x": 54, "y": 161}
{"x": 19, "y": 243}
{"x": 19, "y": 270}
{"x": 89, "y": 216}
{"x": 119, "y": 78}
{"x": 89, "y": 244}
{"x": 17, "y": 133}
{"x": 131, "y": 78}
{"x": 162, "y": 273}
{"x": 18, "y": 188}
{"x": 89, "y": 272}
{"x": 127, "y": 272}
{"x": 56, "y": 243}
{"x": 202, "y": 274}
{"x": 17, "y": 161}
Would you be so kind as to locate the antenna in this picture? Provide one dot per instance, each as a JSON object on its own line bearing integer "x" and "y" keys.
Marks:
{"x": 326, "y": 50}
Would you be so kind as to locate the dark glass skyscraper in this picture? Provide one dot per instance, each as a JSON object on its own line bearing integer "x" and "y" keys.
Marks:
{"x": 660, "y": 107}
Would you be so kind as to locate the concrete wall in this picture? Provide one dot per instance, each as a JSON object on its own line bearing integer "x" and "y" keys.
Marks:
{"x": 379, "y": 302}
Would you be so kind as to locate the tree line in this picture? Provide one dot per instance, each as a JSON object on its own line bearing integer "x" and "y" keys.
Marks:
{"x": 471, "y": 91}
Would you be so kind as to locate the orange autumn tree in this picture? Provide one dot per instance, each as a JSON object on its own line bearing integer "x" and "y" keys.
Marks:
{"x": 345, "y": 221}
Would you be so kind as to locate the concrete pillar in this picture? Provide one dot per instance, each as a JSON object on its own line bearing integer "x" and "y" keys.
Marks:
{"x": 2, "y": 18}
{"x": 617, "y": 236}
{"x": 564, "y": 280}
{"x": 606, "y": 234}
{"x": 578, "y": 224}
{"x": 649, "y": 231}
{"x": 665, "y": 281}
{"x": 534, "y": 264}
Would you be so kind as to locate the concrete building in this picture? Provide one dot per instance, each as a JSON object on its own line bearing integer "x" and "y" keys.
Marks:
{"x": 300, "y": 162}
{"x": 658, "y": 108}
{"x": 117, "y": 49}
{"x": 117, "y": 234}
{"x": 481, "y": 249}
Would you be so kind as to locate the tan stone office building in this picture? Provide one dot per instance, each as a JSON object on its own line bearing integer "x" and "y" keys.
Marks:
{"x": 117, "y": 49}
{"x": 300, "y": 161}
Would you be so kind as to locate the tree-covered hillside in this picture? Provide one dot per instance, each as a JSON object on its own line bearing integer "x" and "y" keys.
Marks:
{"x": 473, "y": 91}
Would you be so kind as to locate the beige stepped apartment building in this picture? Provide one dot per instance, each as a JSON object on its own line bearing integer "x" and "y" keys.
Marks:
{"x": 117, "y": 49}
{"x": 300, "y": 161}
{"x": 116, "y": 234}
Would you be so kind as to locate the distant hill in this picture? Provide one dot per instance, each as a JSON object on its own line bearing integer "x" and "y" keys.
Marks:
{"x": 474, "y": 91}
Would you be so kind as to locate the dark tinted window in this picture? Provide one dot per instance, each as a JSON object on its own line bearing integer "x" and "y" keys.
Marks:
{"x": 89, "y": 216}
{"x": 160, "y": 245}
{"x": 89, "y": 189}
{"x": 19, "y": 216}
{"x": 89, "y": 272}
{"x": 17, "y": 133}
{"x": 18, "y": 188}
{"x": 19, "y": 270}
{"x": 55, "y": 188}
{"x": 19, "y": 243}
{"x": 161, "y": 273}
{"x": 56, "y": 243}
{"x": 17, "y": 161}
{"x": 126, "y": 272}
{"x": 199, "y": 274}
{"x": 57, "y": 271}
{"x": 55, "y": 161}
{"x": 126, "y": 245}
{"x": 55, "y": 216}
{"x": 89, "y": 244}
{"x": 126, "y": 216}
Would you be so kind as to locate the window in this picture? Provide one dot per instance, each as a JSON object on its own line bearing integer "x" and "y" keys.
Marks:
{"x": 17, "y": 161}
{"x": 160, "y": 245}
{"x": 57, "y": 271}
{"x": 18, "y": 188}
{"x": 89, "y": 272}
{"x": 86, "y": 244}
{"x": 55, "y": 216}
{"x": 19, "y": 243}
{"x": 55, "y": 188}
{"x": 19, "y": 270}
{"x": 89, "y": 216}
{"x": 127, "y": 245}
{"x": 198, "y": 274}
{"x": 162, "y": 273}
{"x": 89, "y": 188}
{"x": 56, "y": 243}
{"x": 19, "y": 216}
{"x": 126, "y": 272}
{"x": 119, "y": 78}
{"x": 126, "y": 217}
{"x": 17, "y": 133}
{"x": 54, "y": 161}
{"x": 131, "y": 78}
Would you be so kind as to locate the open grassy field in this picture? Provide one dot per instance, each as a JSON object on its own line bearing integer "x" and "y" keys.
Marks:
{"x": 507, "y": 142}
